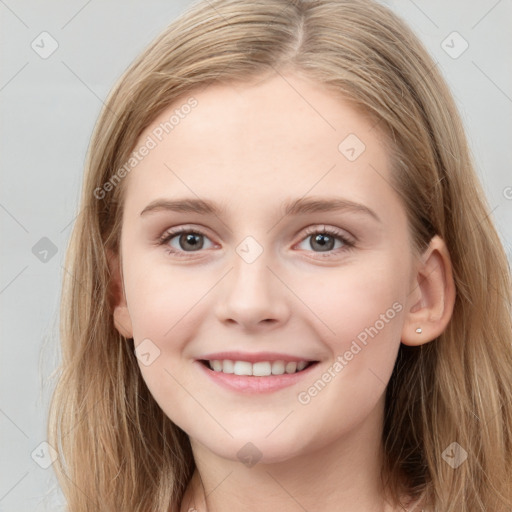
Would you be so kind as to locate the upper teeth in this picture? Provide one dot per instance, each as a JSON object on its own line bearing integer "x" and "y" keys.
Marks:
{"x": 259, "y": 369}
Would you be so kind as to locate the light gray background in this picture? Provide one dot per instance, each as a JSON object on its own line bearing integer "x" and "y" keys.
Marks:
{"x": 48, "y": 109}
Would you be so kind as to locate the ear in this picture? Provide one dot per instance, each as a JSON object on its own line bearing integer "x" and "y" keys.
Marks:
{"x": 117, "y": 298}
{"x": 432, "y": 297}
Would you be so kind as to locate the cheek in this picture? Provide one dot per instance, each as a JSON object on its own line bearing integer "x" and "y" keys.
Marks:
{"x": 350, "y": 301}
{"x": 161, "y": 299}
{"x": 361, "y": 315}
{"x": 163, "y": 305}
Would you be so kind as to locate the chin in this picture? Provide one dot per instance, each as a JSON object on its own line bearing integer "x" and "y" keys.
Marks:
{"x": 254, "y": 447}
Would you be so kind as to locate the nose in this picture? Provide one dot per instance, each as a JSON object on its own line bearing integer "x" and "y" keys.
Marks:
{"x": 252, "y": 295}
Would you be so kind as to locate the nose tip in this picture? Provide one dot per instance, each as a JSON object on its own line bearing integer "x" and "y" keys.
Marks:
{"x": 250, "y": 294}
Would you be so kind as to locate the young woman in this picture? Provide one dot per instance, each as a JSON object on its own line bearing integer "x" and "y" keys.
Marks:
{"x": 286, "y": 290}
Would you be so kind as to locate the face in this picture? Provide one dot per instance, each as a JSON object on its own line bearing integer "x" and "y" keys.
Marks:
{"x": 299, "y": 255}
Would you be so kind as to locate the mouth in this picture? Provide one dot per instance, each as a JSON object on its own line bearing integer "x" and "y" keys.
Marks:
{"x": 256, "y": 369}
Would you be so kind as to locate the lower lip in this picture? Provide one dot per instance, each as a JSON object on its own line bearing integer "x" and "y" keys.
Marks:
{"x": 251, "y": 384}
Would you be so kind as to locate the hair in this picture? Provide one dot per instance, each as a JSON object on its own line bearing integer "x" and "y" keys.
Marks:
{"x": 116, "y": 448}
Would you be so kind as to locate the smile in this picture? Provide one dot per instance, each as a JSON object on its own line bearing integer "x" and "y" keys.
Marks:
{"x": 257, "y": 369}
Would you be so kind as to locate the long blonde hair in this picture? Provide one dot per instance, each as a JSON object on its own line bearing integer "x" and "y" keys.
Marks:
{"x": 116, "y": 448}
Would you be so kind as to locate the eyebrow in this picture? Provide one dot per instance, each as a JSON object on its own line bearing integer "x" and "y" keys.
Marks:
{"x": 294, "y": 207}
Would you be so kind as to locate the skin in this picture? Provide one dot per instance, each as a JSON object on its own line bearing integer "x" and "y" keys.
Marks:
{"x": 250, "y": 147}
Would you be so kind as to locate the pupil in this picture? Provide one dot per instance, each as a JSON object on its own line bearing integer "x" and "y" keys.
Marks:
{"x": 324, "y": 241}
{"x": 191, "y": 239}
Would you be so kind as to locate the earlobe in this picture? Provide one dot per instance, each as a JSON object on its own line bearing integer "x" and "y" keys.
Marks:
{"x": 117, "y": 298}
{"x": 431, "y": 300}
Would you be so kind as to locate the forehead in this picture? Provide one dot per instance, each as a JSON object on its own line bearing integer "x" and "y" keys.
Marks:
{"x": 252, "y": 144}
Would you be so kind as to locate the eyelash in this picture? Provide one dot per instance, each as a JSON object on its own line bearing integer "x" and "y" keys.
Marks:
{"x": 332, "y": 232}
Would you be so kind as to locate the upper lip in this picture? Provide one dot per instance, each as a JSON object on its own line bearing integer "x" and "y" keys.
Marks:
{"x": 253, "y": 357}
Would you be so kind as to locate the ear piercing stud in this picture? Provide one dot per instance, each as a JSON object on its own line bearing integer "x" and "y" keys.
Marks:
{"x": 418, "y": 330}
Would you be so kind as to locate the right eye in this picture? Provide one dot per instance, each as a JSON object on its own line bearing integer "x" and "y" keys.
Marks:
{"x": 179, "y": 241}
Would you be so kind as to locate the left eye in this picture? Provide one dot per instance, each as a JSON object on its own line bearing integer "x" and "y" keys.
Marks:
{"x": 323, "y": 242}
